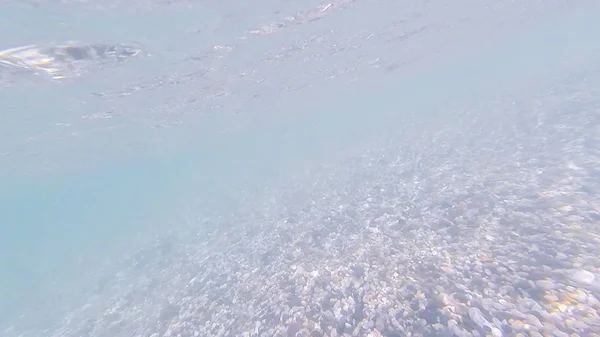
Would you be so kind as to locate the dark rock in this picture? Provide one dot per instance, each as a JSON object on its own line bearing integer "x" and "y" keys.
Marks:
{"x": 454, "y": 231}
{"x": 267, "y": 257}
{"x": 431, "y": 315}
{"x": 341, "y": 325}
{"x": 359, "y": 313}
{"x": 316, "y": 333}
{"x": 358, "y": 271}
{"x": 293, "y": 329}
{"x": 168, "y": 311}
{"x": 443, "y": 223}
{"x": 294, "y": 300}
{"x": 326, "y": 303}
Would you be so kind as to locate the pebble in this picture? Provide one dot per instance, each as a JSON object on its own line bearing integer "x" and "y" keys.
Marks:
{"x": 545, "y": 284}
{"x": 516, "y": 324}
{"x": 533, "y": 320}
{"x": 579, "y": 296}
{"x": 380, "y": 324}
{"x": 583, "y": 276}
{"x": 558, "y": 333}
{"x": 551, "y": 298}
{"x": 477, "y": 316}
{"x": 496, "y": 332}
{"x": 486, "y": 304}
{"x": 257, "y": 326}
{"x": 593, "y": 301}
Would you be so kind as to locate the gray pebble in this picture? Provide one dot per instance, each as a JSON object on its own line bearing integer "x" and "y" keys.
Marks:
{"x": 516, "y": 313}
{"x": 477, "y": 316}
{"x": 545, "y": 284}
{"x": 552, "y": 298}
{"x": 380, "y": 324}
{"x": 397, "y": 325}
{"x": 592, "y": 301}
{"x": 486, "y": 304}
{"x": 580, "y": 325}
{"x": 558, "y": 333}
{"x": 533, "y": 320}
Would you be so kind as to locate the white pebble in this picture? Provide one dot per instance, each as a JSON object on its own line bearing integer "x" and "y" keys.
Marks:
{"x": 583, "y": 276}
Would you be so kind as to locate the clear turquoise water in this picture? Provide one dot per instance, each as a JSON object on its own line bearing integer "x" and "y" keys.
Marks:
{"x": 103, "y": 189}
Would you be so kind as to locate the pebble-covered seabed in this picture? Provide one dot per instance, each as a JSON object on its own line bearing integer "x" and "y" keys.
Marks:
{"x": 482, "y": 223}
{"x": 484, "y": 226}
{"x": 494, "y": 233}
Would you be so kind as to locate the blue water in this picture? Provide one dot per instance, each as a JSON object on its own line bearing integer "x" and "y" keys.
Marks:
{"x": 70, "y": 203}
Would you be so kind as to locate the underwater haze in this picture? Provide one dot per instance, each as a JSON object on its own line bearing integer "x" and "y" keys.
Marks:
{"x": 316, "y": 168}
